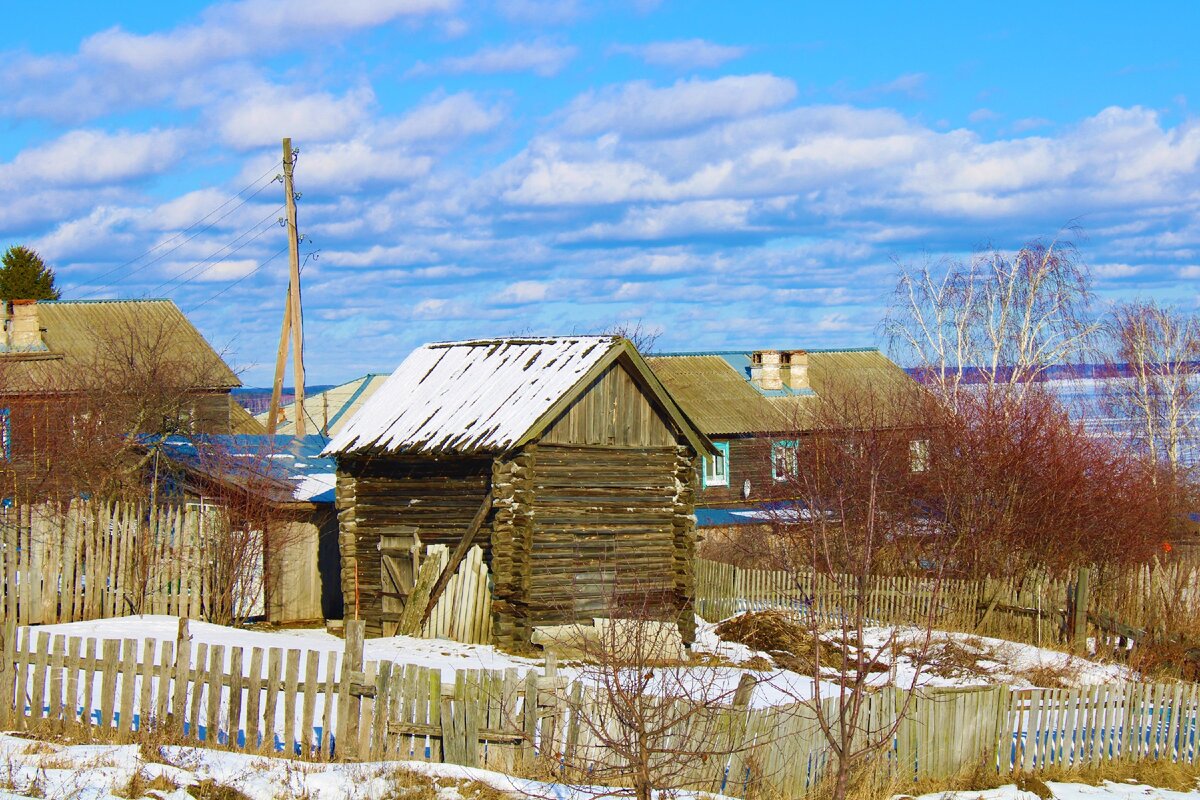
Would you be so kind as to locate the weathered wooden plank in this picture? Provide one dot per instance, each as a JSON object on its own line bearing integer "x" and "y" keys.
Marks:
{"x": 254, "y": 699}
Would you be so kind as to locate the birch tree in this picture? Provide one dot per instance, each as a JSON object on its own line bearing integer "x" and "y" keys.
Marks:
{"x": 1155, "y": 351}
{"x": 1000, "y": 318}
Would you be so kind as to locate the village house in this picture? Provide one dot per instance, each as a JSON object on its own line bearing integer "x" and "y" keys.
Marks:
{"x": 278, "y": 487}
{"x": 757, "y": 406}
{"x": 563, "y": 458}
{"x": 77, "y": 376}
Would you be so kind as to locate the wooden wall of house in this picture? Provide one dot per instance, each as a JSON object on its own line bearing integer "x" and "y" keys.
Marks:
{"x": 210, "y": 413}
{"x": 749, "y": 460}
{"x": 612, "y": 410}
{"x": 595, "y": 519}
{"x": 303, "y": 576}
{"x": 394, "y": 497}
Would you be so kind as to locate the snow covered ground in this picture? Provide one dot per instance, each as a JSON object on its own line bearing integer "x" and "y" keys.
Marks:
{"x": 960, "y": 659}
{"x": 775, "y": 686}
{"x": 1071, "y": 791}
{"x": 34, "y": 769}
{"x": 956, "y": 659}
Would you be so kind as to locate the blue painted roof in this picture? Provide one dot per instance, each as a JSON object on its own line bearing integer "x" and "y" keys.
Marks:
{"x": 294, "y": 462}
{"x": 754, "y": 514}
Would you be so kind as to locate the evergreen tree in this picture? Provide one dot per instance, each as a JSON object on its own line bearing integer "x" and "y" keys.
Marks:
{"x": 24, "y": 276}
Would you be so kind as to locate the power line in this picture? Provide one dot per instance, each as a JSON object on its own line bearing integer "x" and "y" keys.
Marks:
{"x": 94, "y": 281}
{"x": 217, "y": 253}
{"x": 274, "y": 256}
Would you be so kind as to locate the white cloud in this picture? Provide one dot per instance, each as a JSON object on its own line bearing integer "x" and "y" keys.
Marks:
{"x": 641, "y": 109}
{"x": 262, "y": 114}
{"x": 1111, "y": 271}
{"x": 838, "y": 323}
{"x": 682, "y": 54}
{"x": 673, "y": 221}
{"x": 205, "y": 272}
{"x": 379, "y": 255}
{"x": 190, "y": 64}
{"x": 524, "y": 292}
{"x": 92, "y": 158}
{"x": 347, "y": 166}
{"x": 433, "y": 308}
{"x": 910, "y": 85}
{"x": 541, "y": 12}
{"x": 230, "y": 30}
{"x": 449, "y": 118}
{"x": 540, "y": 57}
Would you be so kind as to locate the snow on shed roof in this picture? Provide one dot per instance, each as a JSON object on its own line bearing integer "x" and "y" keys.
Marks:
{"x": 470, "y": 397}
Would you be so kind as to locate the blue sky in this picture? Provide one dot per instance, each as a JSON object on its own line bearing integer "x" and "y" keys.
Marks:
{"x": 728, "y": 174}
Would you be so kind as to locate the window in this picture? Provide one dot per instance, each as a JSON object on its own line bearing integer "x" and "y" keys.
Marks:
{"x": 783, "y": 460}
{"x": 918, "y": 455}
{"x": 5, "y": 434}
{"x": 716, "y": 468}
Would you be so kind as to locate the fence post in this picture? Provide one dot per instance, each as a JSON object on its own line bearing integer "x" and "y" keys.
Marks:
{"x": 350, "y": 707}
{"x": 1079, "y": 621}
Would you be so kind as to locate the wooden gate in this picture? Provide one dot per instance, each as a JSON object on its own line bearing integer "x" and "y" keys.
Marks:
{"x": 398, "y": 554}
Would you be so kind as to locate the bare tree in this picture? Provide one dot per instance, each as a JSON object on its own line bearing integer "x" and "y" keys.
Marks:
{"x": 85, "y": 430}
{"x": 650, "y": 716}
{"x": 1153, "y": 356}
{"x": 1000, "y": 318}
{"x": 848, "y": 512}
{"x": 245, "y": 526}
{"x": 642, "y": 336}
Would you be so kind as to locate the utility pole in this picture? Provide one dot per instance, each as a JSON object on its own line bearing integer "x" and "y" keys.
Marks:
{"x": 293, "y": 318}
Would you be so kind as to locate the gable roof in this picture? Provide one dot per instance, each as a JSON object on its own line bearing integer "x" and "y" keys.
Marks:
{"x": 337, "y": 405}
{"x": 74, "y": 332}
{"x": 715, "y": 391}
{"x": 491, "y": 395}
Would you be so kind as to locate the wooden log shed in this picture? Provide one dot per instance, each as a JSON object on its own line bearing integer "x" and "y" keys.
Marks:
{"x": 565, "y": 459}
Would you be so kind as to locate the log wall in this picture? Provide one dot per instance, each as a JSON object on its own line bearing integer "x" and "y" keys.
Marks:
{"x": 434, "y": 498}
{"x": 591, "y": 531}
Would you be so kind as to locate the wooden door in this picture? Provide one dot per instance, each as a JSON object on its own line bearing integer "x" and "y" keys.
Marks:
{"x": 398, "y": 553}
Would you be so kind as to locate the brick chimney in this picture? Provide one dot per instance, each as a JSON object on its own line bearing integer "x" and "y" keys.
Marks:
{"x": 794, "y": 369}
{"x": 22, "y": 328}
{"x": 765, "y": 369}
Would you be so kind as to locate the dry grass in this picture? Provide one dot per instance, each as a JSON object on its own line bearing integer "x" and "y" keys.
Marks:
{"x": 140, "y": 785}
{"x": 957, "y": 658}
{"x": 209, "y": 789}
{"x": 789, "y": 643}
{"x": 982, "y": 776}
{"x": 405, "y": 784}
{"x": 1051, "y": 676}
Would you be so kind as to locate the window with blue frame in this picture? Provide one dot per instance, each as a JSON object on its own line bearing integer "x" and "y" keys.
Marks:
{"x": 783, "y": 460}
{"x": 716, "y": 468}
{"x": 5, "y": 434}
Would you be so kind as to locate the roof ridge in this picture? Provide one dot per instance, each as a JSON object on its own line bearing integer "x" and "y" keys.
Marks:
{"x": 685, "y": 353}
{"x": 109, "y": 300}
{"x": 520, "y": 340}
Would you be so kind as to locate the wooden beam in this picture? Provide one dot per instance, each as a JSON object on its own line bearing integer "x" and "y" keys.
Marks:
{"x": 294, "y": 304}
{"x": 457, "y": 557}
{"x": 280, "y": 365}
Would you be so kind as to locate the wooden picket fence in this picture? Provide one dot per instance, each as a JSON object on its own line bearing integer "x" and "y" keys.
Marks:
{"x": 335, "y": 706}
{"x": 723, "y": 590}
{"x": 1035, "y": 609}
{"x": 91, "y": 560}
